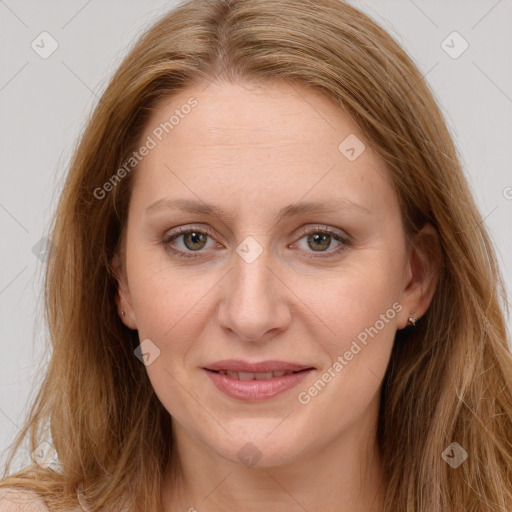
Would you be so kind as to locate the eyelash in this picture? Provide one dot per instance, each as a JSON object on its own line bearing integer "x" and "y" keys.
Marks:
{"x": 166, "y": 242}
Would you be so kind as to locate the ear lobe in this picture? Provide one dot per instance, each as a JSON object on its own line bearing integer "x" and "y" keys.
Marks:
{"x": 122, "y": 296}
{"x": 422, "y": 272}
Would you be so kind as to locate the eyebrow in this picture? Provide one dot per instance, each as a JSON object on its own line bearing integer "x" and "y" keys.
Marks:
{"x": 199, "y": 207}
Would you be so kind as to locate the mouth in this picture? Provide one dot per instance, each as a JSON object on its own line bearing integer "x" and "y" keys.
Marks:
{"x": 262, "y": 367}
{"x": 257, "y": 381}
{"x": 256, "y": 375}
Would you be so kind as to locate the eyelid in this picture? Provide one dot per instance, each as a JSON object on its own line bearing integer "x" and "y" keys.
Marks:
{"x": 342, "y": 237}
{"x": 180, "y": 230}
{"x": 306, "y": 230}
{"x": 174, "y": 233}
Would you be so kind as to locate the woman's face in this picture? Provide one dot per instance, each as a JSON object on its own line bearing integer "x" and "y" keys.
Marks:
{"x": 262, "y": 277}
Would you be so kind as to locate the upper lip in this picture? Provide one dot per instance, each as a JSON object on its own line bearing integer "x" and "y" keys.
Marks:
{"x": 237, "y": 365}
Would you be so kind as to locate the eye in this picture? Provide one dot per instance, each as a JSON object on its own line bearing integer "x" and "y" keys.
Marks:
{"x": 193, "y": 241}
{"x": 320, "y": 238}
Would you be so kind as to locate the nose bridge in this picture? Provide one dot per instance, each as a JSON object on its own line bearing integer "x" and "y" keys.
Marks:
{"x": 251, "y": 278}
{"x": 253, "y": 304}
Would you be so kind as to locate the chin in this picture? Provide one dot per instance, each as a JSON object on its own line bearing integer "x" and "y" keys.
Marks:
{"x": 261, "y": 451}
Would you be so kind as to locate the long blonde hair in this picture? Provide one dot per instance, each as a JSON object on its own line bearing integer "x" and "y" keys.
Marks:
{"x": 449, "y": 380}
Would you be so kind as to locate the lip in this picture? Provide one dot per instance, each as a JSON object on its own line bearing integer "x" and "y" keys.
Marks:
{"x": 256, "y": 390}
{"x": 238, "y": 365}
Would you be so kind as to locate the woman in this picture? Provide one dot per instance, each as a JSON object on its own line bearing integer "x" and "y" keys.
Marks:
{"x": 270, "y": 287}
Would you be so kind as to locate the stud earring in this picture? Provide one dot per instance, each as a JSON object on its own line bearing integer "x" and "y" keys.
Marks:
{"x": 123, "y": 313}
{"x": 412, "y": 319}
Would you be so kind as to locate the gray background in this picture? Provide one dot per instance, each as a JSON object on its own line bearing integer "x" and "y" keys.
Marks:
{"x": 44, "y": 104}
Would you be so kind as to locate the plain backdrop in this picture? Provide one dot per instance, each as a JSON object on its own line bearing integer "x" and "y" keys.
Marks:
{"x": 45, "y": 102}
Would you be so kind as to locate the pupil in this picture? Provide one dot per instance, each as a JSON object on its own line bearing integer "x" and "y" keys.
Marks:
{"x": 318, "y": 237}
{"x": 195, "y": 238}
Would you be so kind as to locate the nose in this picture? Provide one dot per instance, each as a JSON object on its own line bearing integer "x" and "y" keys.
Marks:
{"x": 254, "y": 306}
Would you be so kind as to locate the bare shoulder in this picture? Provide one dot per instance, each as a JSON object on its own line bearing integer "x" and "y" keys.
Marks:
{"x": 16, "y": 500}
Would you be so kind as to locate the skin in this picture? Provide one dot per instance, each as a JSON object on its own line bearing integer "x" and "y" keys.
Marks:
{"x": 252, "y": 150}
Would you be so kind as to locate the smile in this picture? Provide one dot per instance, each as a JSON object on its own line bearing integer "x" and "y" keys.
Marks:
{"x": 253, "y": 387}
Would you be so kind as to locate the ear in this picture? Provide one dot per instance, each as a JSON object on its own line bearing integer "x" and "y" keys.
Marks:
{"x": 422, "y": 274}
{"x": 123, "y": 297}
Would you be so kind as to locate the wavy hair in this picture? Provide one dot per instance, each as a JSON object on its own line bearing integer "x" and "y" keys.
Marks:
{"x": 449, "y": 380}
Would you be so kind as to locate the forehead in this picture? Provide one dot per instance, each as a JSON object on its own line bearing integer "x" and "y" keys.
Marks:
{"x": 240, "y": 140}
{"x": 256, "y": 117}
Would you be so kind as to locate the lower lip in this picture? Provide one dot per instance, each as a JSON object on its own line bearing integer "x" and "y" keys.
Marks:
{"x": 256, "y": 390}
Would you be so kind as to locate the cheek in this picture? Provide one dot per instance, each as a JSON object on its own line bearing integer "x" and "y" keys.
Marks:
{"x": 363, "y": 288}
{"x": 359, "y": 308}
{"x": 154, "y": 288}
{"x": 173, "y": 301}
{"x": 171, "y": 305}
{"x": 169, "y": 311}
{"x": 359, "y": 327}
{"x": 360, "y": 317}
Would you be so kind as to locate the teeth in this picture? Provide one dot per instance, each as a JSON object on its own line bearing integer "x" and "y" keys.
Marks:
{"x": 256, "y": 376}
{"x": 263, "y": 376}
